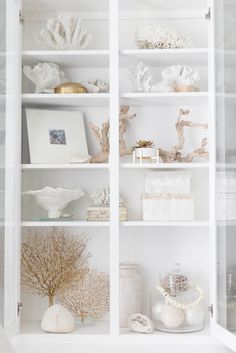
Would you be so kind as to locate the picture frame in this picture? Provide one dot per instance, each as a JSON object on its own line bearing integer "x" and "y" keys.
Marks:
{"x": 56, "y": 136}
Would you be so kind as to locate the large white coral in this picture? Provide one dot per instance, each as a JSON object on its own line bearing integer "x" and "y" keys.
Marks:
{"x": 45, "y": 76}
{"x": 65, "y": 32}
{"x": 161, "y": 37}
{"x": 178, "y": 75}
{"x": 141, "y": 77}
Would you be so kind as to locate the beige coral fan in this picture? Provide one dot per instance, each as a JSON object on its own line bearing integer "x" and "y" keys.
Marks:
{"x": 160, "y": 37}
{"x": 87, "y": 297}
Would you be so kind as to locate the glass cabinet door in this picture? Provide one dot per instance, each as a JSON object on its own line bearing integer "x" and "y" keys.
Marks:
{"x": 224, "y": 325}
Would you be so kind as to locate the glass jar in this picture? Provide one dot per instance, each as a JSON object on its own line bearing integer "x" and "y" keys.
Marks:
{"x": 177, "y": 306}
{"x": 131, "y": 292}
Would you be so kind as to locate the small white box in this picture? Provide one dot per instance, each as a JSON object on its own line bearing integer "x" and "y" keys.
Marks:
{"x": 168, "y": 207}
{"x": 167, "y": 182}
{"x": 226, "y": 182}
{"x": 226, "y": 207}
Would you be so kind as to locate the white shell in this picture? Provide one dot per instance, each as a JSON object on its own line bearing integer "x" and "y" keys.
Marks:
{"x": 76, "y": 158}
{"x": 96, "y": 86}
{"x": 178, "y": 75}
{"x": 54, "y": 200}
{"x": 141, "y": 324}
{"x": 45, "y": 76}
{"x": 162, "y": 37}
{"x": 172, "y": 317}
{"x": 65, "y": 32}
{"x": 141, "y": 77}
{"x": 157, "y": 312}
{"x": 58, "y": 319}
{"x": 194, "y": 316}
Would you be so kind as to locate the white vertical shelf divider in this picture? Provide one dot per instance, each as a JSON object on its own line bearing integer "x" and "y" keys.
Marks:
{"x": 114, "y": 166}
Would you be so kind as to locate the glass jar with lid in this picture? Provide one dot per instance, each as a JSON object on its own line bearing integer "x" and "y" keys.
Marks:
{"x": 177, "y": 305}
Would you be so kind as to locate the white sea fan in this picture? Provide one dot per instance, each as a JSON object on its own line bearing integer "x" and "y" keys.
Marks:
{"x": 65, "y": 32}
{"x": 45, "y": 76}
{"x": 178, "y": 75}
{"x": 160, "y": 37}
{"x": 101, "y": 197}
{"x": 141, "y": 78}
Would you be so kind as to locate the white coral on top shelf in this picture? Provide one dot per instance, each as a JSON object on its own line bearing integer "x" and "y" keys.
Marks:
{"x": 160, "y": 37}
{"x": 45, "y": 76}
{"x": 65, "y": 32}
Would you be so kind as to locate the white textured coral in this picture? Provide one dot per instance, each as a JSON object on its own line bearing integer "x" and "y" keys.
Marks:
{"x": 96, "y": 86}
{"x": 178, "y": 75}
{"x": 141, "y": 77}
{"x": 65, "y": 32}
{"x": 160, "y": 37}
{"x": 45, "y": 76}
{"x": 101, "y": 197}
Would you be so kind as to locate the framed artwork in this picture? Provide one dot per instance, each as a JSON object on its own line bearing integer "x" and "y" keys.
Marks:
{"x": 55, "y": 136}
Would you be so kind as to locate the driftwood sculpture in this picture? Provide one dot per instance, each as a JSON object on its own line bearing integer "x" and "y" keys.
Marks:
{"x": 102, "y": 136}
{"x": 176, "y": 152}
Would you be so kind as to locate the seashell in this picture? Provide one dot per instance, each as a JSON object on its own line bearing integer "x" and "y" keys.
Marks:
{"x": 172, "y": 317}
{"x": 141, "y": 324}
{"x": 96, "y": 86}
{"x": 65, "y": 32}
{"x": 58, "y": 319}
{"x": 45, "y": 76}
{"x": 141, "y": 77}
{"x": 161, "y": 37}
{"x": 178, "y": 75}
{"x": 54, "y": 200}
{"x": 75, "y": 158}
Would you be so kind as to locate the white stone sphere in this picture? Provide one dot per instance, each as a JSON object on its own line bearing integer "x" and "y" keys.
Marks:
{"x": 172, "y": 317}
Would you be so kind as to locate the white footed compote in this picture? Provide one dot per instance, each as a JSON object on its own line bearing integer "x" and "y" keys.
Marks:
{"x": 54, "y": 200}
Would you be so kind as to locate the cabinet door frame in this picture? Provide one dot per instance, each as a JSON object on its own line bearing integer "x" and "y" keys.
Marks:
{"x": 13, "y": 170}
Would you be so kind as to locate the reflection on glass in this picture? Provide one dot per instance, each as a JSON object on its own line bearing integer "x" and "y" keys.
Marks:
{"x": 226, "y": 162}
{"x": 2, "y": 150}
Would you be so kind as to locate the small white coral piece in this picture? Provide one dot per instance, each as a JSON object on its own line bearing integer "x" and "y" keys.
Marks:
{"x": 162, "y": 87}
{"x": 141, "y": 324}
{"x": 141, "y": 77}
{"x": 161, "y": 37}
{"x": 45, "y": 76}
{"x": 101, "y": 197}
{"x": 178, "y": 75}
{"x": 96, "y": 86}
{"x": 58, "y": 319}
{"x": 76, "y": 158}
{"x": 65, "y": 32}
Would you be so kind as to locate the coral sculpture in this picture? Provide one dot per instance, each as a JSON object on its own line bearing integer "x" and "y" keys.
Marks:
{"x": 87, "y": 297}
{"x": 101, "y": 197}
{"x": 175, "y": 154}
{"x": 45, "y": 76}
{"x": 96, "y": 86}
{"x": 141, "y": 77}
{"x": 103, "y": 138}
{"x": 160, "y": 37}
{"x": 180, "y": 77}
{"x": 52, "y": 260}
{"x": 65, "y": 32}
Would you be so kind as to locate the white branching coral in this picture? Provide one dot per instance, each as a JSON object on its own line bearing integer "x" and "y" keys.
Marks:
{"x": 87, "y": 297}
{"x": 65, "y": 32}
{"x": 96, "y": 86}
{"x": 177, "y": 76}
{"x": 45, "y": 76}
{"x": 160, "y": 37}
{"x": 141, "y": 77}
{"x": 101, "y": 197}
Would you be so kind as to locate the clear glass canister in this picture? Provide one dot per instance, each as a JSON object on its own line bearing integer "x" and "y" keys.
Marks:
{"x": 177, "y": 306}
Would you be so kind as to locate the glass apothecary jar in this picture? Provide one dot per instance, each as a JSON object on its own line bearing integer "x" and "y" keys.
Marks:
{"x": 177, "y": 305}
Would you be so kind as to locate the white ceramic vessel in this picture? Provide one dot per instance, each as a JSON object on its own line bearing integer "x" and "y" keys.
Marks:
{"x": 54, "y": 200}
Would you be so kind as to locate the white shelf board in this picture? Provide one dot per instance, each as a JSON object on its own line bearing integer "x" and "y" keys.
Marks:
{"x": 165, "y": 224}
{"x": 34, "y": 328}
{"x": 64, "y": 224}
{"x": 64, "y": 166}
{"x": 44, "y": 6}
{"x": 164, "y": 166}
{"x": 68, "y": 59}
{"x": 164, "y": 57}
{"x": 162, "y": 5}
{"x": 165, "y": 99}
{"x": 76, "y": 100}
